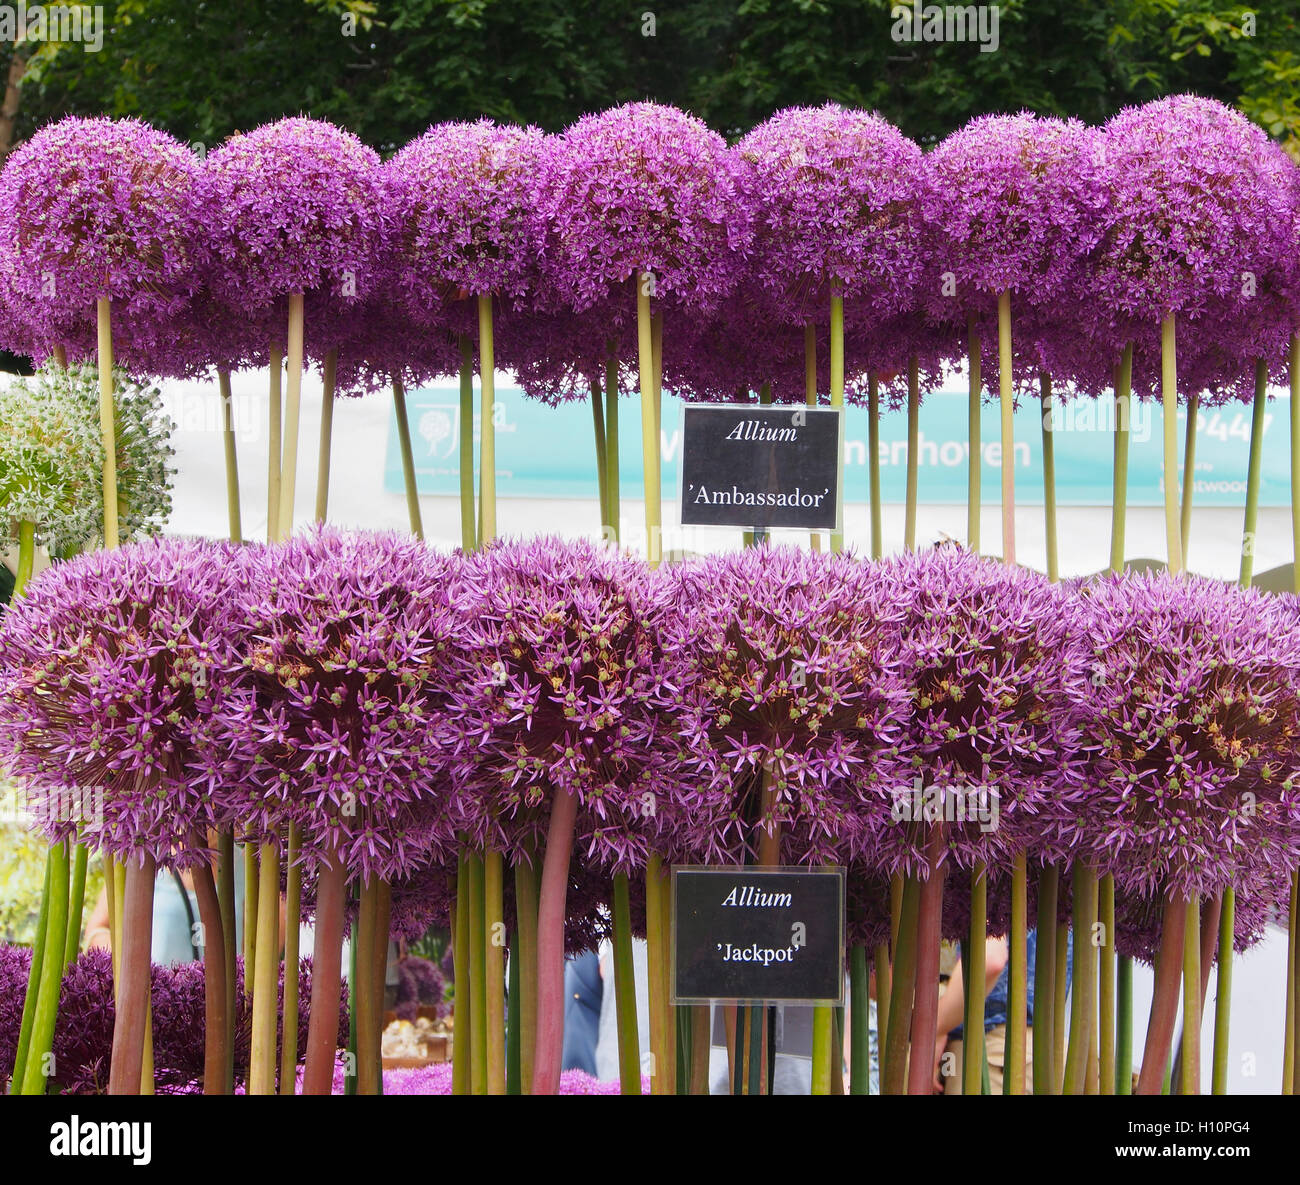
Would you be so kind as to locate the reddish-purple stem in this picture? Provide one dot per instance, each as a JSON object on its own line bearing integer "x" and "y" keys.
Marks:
{"x": 550, "y": 944}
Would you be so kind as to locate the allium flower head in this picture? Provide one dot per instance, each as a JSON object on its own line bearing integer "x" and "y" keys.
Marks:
{"x": 836, "y": 196}
{"x": 1192, "y": 707}
{"x": 93, "y": 208}
{"x": 1196, "y": 196}
{"x": 781, "y": 665}
{"x": 642, "y": 187}
{"x": 556, "y": 698}
{"x": 1012, "y": 206}
{"x": 119, "y": 680}
{"x": 990, "y": 661}
{"x": 301, "y": 205}
{"x": 464, "y": 200}
{"x": 349, "y": 631}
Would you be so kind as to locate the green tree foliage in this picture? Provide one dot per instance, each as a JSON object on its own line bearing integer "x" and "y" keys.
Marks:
{"x": 387, "y": 68}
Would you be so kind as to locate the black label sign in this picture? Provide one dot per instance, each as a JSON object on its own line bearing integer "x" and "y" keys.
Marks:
{"x": 761, "y": 466}
{"x": 750, "y": 935}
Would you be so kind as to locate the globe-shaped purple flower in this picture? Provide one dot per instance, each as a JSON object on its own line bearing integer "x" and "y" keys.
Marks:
{"x": 837, "y": 198}
{"x": 96, "y": 209}
{"x": 1192, "y": 708}
{"x": 301, "y": 209}
{"x": 782, "y": 676}
{"x": 642, "y": 188}
{"x": 122, "y": 697}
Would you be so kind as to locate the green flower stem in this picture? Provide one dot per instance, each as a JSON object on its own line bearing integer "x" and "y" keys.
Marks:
{"x": 274, "y": 430}
{"x": 602, "y": 472}
{"x": 326, "y": 436}
{"x": 880, "y": 965}
{"x": 383, "y": 928}
{"x": 487, "y": 438}
{"x": 1251, "y": 521}
{"x": 261, "y": 1058}
{"x": 894, "y": 1071}
{"x": 664, "y": 882}
{"x": 107, "y": 419}
{"x": 477, "y": 978}
{"x": 33, "y": 981}
{"x": 859, "y": 1021}
{"x": 252, "y": 883}
{"x": 1223, "y": 994}
{"x": 526, "y": 890}
{"x": 1013, "y": 1075}
{"x": 117, "y": 871}
{"x": 216, "y": 1036}
{"x": 131, "y": 1022}
{"x": 514, "y": 1085}
{"x": 1083, "y": 999}
{"x": 823, "y": 1039}
{"x": 1049, "y": 888}
{"x": 1119, "y": 500}
{"x": 224, "y": 842}
{"x": 1164, "y": 999}
{"x": 232, "y": 457}
{"x": 913, "y": 447}
{"x": 1049, "y": 474}
{"x": 975, "y": 459}
{"x": 972, "y": 1028}
{"x": 1124, "y": 1026}
{"x": 1059, "y": 1013}
{"x": 837, "y": 383}
{"x": 1189, "y": 473}
{"x": 1169, "y": 401}
{"x": 292, "y": 408}
{"x": 1006, "y": 404}
{"x": 611, "y": 443}
{"x": 76, "y": 904}
{"x": 925, "y": 1006}
{"x": 629, "y": 1038}
{"x": 873, "y": 466}
{"x": 1106, "y": 986}
{"x": 649, "y": 421}
{"x": 408, "y": 460}
{"x": 810, "y": 394}
{"x": 289, "y": 1003}
{"x": 327, "y": 975}
{"x": 468, "y": 524}
{"x": 656, "y": 937}
{"x": 494, "y": 955}
{"x": 462, "y": 1035}
{"x": 26, "y": 558}
{"x": 363, "y": 975}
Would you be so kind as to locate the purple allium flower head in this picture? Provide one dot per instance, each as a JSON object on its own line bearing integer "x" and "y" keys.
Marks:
{"x": 992, "y": 667}
{"x": 1192, "y": 709}
{"x": 556, "y": 698}
{"x": 642, "y": 187}
{"x": 1196, "y": 196}
{"x": 837, "y": 197}
{"x": 349, "y": 632}
{"x": 780, "y": 665}
{"x": 1013, "y": 206}
{"x": 301, "y": 209}
{"x": 122, "y": 699}
{"x": 93, "y": 208}
{"x": 464, "y": 200}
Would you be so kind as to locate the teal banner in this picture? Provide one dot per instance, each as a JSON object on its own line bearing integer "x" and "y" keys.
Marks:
{"x": 545, "y": 452}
